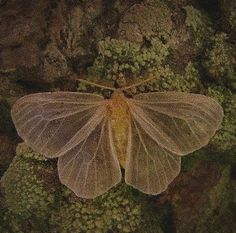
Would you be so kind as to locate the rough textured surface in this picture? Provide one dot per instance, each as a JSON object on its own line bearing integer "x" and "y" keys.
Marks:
{"x": 116, "y": 211}
{"x": 187, "y": 45}
{"x": 210, "y": 212}
{"x": 38, "y": 196}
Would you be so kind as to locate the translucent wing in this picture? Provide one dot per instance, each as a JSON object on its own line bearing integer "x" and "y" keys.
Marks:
{"x": 51, "y": 122}
{"x": 165, "y": 126}
{"x": 150, "y": 167}
{"x": 72, "y": 126}
{"x": 91, "y": 168}
{"x": 179, "y": 122}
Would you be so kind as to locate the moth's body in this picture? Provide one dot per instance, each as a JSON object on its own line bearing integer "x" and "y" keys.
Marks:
{"x": 120, "y": 117}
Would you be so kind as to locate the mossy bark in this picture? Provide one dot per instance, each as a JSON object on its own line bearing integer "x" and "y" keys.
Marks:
{"x": 188, "y": 45}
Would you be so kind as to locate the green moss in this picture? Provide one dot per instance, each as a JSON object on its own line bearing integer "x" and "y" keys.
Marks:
{"x": 123, "y": 62}
{"x": 119, "y": 59}
{"x": 232, "y": 18}
{"x": 115, "y": 210}
{"x": 225, "y": 138}
{"x": 32, "y": 191}
{"x": 27, "y": 193}
{"x": 220, "y": 93}
{"x": 9, "y": 223}
{"x": 199, "y": 23}
{"x": 189, "y": 81}
{"x": 219, "y": 61}
{"x": 228, "y": 17}
{"x": 28, "y": 153}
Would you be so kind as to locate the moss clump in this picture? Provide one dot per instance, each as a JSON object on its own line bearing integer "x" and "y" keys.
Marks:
{"x": 123, "y": 62}
{"x": 10, "y": 223}
{"x": 115, "y": 210}
{"x": 199, "y": 23}
{"x": 32, "y": 191}
{"x": 188, "y": 81}
{"x": 232, "y": 19}
{"x": 228, "y": 12}
{"x": 219, "y": 61}
{"x": 225, "y": 139}
{"x": 220, "y": 93}
{"x": 118, "y": 59}
{"x": 26, "y": 192}
{"x": 27, "y": 153}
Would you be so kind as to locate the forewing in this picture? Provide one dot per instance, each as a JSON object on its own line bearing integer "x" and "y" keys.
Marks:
{"x": 163, "y": 127}
{"x": 54, "y": 122}
{"x": 91, "y": 168}
{"x": 179, "y": 122}
{"x": 150, "y": 167}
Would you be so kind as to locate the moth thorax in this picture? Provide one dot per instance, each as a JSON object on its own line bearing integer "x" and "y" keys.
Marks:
{"x": 120, "y": 124}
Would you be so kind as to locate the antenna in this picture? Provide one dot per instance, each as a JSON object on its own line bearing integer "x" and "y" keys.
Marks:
{"x": 112, "y": 88}
{"x": 95, "y": 84}
{"x": 138, "y": 83}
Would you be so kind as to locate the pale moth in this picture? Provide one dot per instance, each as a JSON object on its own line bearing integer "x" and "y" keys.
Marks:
{"x": 91, "y": 136}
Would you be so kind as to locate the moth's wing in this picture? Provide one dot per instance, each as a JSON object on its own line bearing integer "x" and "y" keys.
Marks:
{"x": 179, "y": 122}
{"x": 163, "y": 127}
{"x": 149, "y": 167}
{"x": 92, "y": 167}
{"x": 75, "y": 128}
{"x": 53, "y": 122}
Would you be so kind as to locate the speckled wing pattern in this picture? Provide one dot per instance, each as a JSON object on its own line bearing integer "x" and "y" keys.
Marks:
{"x": 75, "y": 128}
{"x": 165, "y": 126}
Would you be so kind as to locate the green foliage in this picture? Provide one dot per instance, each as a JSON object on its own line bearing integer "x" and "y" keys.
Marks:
{"x": 189, "y": 81}
{"x": 219, "y": 61}
{"x": 115, "y": 210}
{"x": 32, "y": 191}
{"x": 228, "y": 12}
{"x": 199, "y": 23}
{"x": 27, "y": 153}
{"x": 118, "y": 59}
{"x": 24, "y": 192}
{"x": 225, "y": 138}
{"x": 220, "y": 93}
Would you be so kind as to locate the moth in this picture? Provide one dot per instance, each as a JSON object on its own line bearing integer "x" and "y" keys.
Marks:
{"x": 91, "y": 136}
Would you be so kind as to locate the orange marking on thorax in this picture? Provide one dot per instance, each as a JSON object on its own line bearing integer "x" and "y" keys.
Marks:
{"x": 120, "y": 118}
